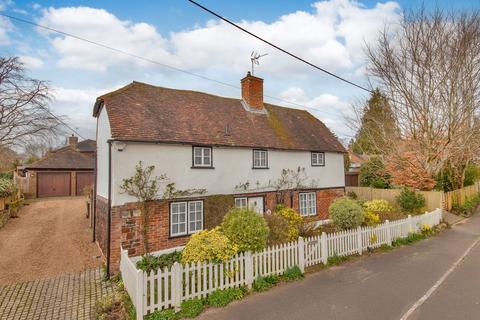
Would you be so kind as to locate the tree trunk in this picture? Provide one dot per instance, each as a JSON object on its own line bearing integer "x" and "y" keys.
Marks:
{"x": 144, "y": 213}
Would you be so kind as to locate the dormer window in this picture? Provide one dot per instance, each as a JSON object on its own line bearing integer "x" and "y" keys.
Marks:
{"x": 260, "y": 159}
{"x": 202, "y": 157}
{"x": 318, "y": 159}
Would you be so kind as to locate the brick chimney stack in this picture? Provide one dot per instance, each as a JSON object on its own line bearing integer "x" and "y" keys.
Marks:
{"x": 252, "y": 91}
{"x": 73, "y": 141}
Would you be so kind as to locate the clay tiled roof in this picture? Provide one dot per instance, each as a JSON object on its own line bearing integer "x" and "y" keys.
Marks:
{"x": 143, "y": 112}
{"x": 87, "y": 145}
{"x": 65, "y": 158}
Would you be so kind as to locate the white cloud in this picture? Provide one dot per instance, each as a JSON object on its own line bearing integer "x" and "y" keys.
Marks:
{"x": 327, "y": 107}
{"x": 331, "y": 36}
{"x": 101, "y": 26}
{"x": 31, "y": 62}
{"x": 77, "y": 105}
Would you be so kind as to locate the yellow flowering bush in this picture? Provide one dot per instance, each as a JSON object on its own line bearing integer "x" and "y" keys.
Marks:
{"x": 209, "y": 245}
{"x": 294, "y": 220}
{"x": 370, "y": 218}
{"x": 371, "y": 210}
{"x": 426, "y": 229}
{"x": 377, "y": 206}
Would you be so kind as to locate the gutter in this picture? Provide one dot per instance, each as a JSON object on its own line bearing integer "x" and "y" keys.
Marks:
{"x": 109, "y": 219}
{"x": 94, "y": 213}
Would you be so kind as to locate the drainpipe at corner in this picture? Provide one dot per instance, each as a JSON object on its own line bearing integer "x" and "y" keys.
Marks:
{"x": 109, "y": 219}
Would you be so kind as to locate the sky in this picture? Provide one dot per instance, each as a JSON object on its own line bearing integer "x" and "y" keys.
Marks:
{"x": 331, "y": 34}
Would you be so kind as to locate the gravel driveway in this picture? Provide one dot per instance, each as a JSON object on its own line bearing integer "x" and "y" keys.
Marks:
{"x": 50, "y": 237}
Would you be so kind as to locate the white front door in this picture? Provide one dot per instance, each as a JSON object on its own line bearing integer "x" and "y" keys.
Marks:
{"x": 256, "y": 204}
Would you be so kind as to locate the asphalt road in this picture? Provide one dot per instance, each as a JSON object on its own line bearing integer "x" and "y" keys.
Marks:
{"x": 380, "y": 286}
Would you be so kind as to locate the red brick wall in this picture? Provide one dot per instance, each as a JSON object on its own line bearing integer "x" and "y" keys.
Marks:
{"x": 252, "y": 91}
{"x": 126, "y": 222}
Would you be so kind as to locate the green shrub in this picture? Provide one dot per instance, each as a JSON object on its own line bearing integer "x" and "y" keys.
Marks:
{"x": 167, "y": 314}
{"x": 472, "y": 174}
{"x": 336, "y": 259}
{"x": 352, "y": 195}
{"x": 278, "y": 229}
{"x": 221, "y": 298}
{"x": 264, "y": 283}
{"x": 346, "y": 213}
{"x": 410, "y": 201}
{"x": 245, "y": 228}
{"x": 374, "y": 174}
{"x": 148, "y": 263}
{"x": 168, "y": 259}
{"x": 151, "y": 262}
{"x": 209, "y": 245}
{"x": 292, "y": 274}
{"x": 7, "y": 187}
{"x": 411, "y": 238}
{"x": 6, "y": 175}
{"x": 191, "y": 308}
{"x": 293, "y": 218}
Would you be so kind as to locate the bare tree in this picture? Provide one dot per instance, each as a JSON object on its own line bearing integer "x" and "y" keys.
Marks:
{"x": 24, "y": 113}
{"x": 429, "y": 69}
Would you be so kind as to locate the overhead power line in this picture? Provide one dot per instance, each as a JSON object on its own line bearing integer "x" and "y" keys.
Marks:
{"x": 120, "y": 51}
{"x": 279, "y": 48}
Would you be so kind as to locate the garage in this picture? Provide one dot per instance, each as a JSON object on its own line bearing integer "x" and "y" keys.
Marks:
{"x": 84, "y": 179}
{"x": 53, "y": 184}
{"x": 63, "y": 172}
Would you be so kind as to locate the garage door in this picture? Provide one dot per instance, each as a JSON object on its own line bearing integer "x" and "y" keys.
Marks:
{"x": 53, "y": 184}
{"x": 84, "y": 179}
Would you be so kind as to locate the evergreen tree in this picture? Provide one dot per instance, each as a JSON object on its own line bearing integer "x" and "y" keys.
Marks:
{"x": 377, "y": 126}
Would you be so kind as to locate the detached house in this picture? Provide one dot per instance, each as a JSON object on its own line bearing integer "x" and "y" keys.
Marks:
{"x": 233, "y": 152}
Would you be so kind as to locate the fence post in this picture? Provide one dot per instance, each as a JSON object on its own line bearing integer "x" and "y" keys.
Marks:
{"x": 249, "y": 269}
{"x": 389, "y": 233}
{"x": 324, "y": 247}
{"x": 176, "y": 285}
{"x": 359, "y": 240}
{"x": 301, "y": 253}
{"x": 139, "y": 293}
{"x": 410, "y": 223}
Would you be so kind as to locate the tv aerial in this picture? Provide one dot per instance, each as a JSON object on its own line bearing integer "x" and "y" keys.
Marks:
{"x": 255, "y": 57}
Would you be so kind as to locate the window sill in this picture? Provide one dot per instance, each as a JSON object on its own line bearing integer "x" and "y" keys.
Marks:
{"x": 180, "y": 236}
{"x": 318, "y": 165}
{"x": 260, "y": 168}
{"x": 193, "y": 167}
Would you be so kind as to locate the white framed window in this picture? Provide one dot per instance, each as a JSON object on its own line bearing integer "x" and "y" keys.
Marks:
{"x": 178, "y": 218}
{"x": 260, "y": 159}
{"x": 307, "y": 203}
{"x": 202, "y": 156}
{"x": 241, "y": 203}
{"x": 195, "y": 216}
{"x": 318, "y": 159}
{"x": 186, "y": 217}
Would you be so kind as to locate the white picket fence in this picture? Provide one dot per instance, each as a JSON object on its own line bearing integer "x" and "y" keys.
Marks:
{"x": 161, "y": 289}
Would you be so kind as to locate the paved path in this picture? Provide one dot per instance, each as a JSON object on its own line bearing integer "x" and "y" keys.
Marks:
{"x": 68, "y": 296}
{"x": 381, "y": 286}
{"x": 50, "y": 237}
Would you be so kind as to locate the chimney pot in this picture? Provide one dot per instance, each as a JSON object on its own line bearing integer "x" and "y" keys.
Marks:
{"x": 252, "y": 91}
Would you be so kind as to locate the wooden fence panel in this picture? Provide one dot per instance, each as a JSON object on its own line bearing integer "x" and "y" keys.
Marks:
{"x": 458, "y": 197}
{"x": 433, "y": 199}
